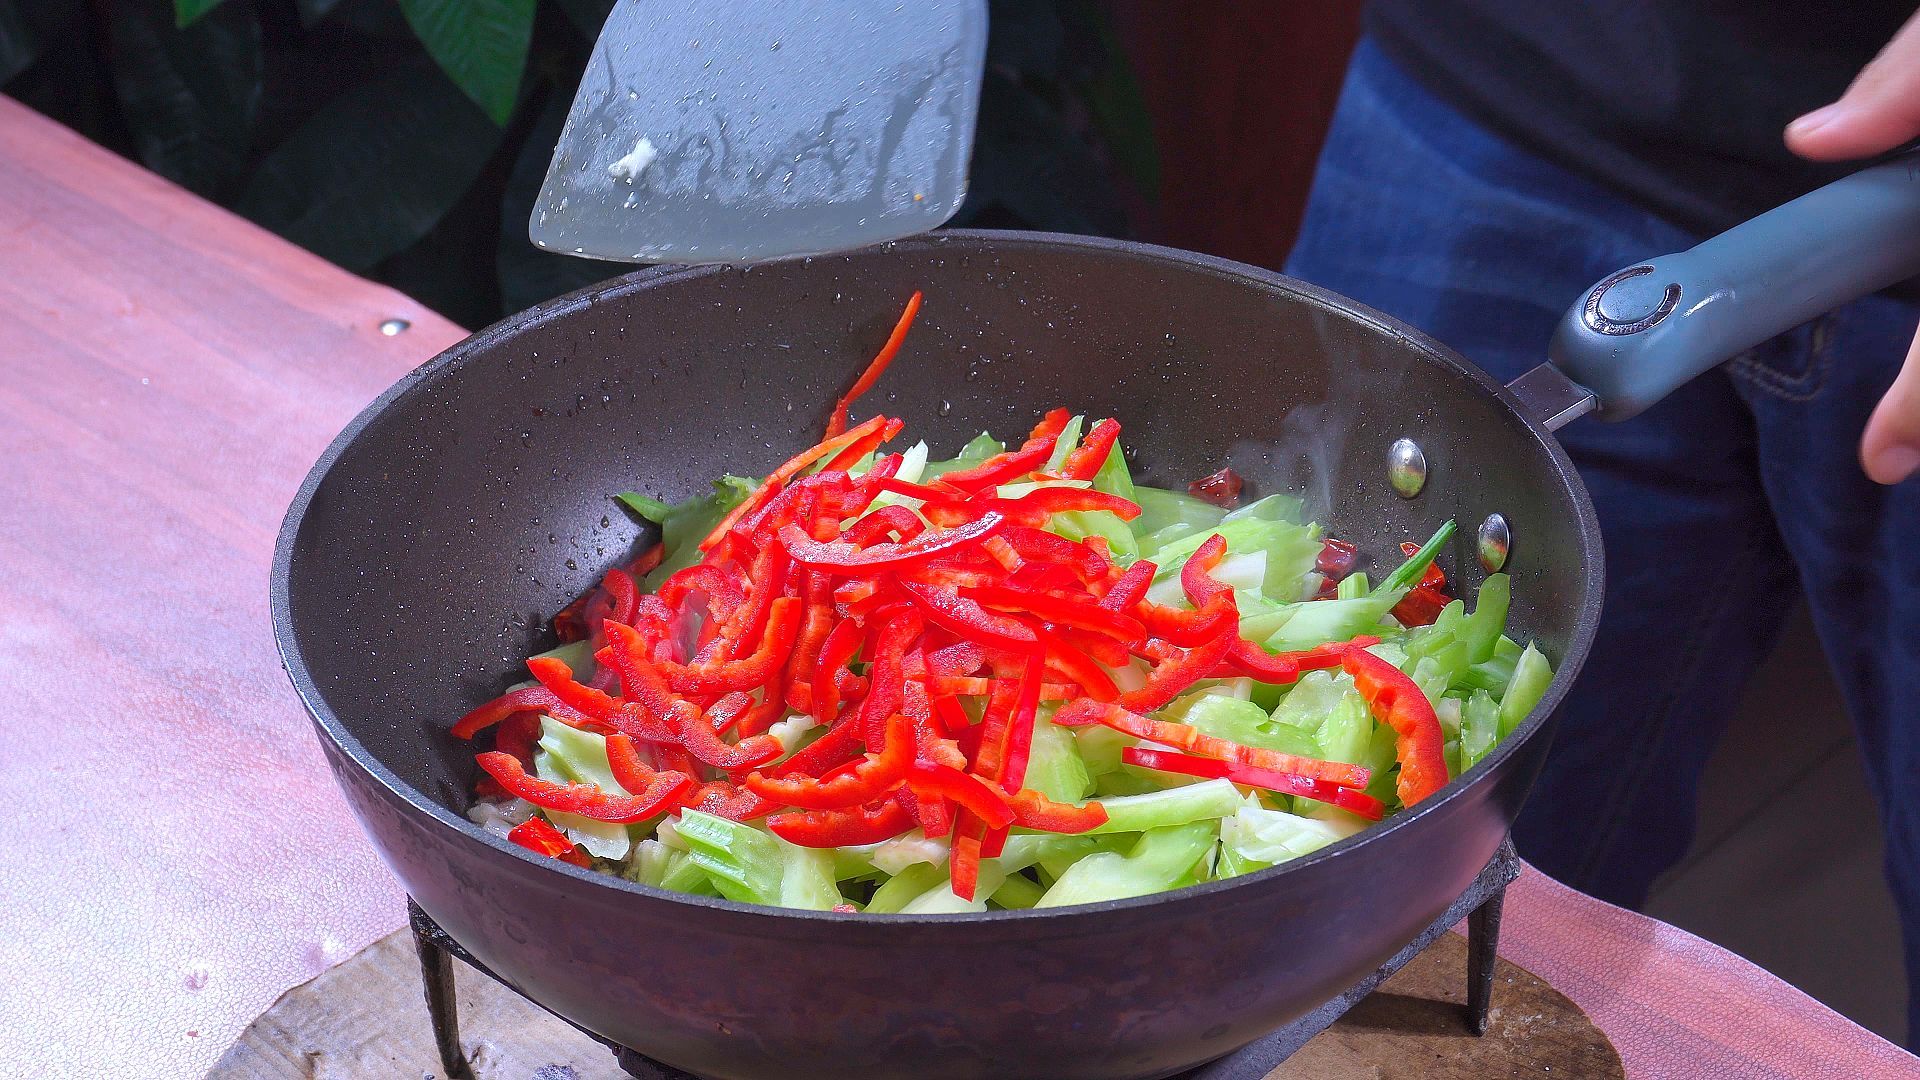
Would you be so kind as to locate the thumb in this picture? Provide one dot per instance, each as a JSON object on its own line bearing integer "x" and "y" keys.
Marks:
{"x": 1890, "y": 449}
{"x": 1878, "y": 112}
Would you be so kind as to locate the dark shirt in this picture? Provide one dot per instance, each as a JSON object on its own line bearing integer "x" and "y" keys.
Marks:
{"x": 1679, "y": 104}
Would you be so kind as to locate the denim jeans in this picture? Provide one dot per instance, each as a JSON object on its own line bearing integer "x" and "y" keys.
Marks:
{"x": 1715, "y": 505}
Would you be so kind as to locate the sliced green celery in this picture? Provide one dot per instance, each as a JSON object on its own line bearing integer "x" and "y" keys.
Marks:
{"x": 1113, "y": 476}
{"x": 1346, "y": 730}
{"x": 577, "y": 655}
{"x": 807, "y": 879}
{"x": 893, "y": 856}
{"x": 1054, "y": 768}
{"x": 1494, "y": 673}
{"x": 1312, "y": 699}
{"x": 1257, "y": 837}
{"x": 1316, "y": 622}
{"x": 1531, "y": 676}
{"x": 684, "y": 875}
{"x": 1065, "y": 444}
{"x": 647, "y": 507}
{"x": 940, "y": 899}
{"x": 1081, "y": 524}
{"x": 978, "y": 449}
{"x": 1409, "y": 572}
{"x": 601, "y": 839}
{"x": 913, "y": 465}
{"x": 1017, "y": 892}
{"x": 1479, "y": 728}
{"x": 1031, "y": 849}
{"x": 1125, "y": 783}
{"x": 1156, "y": 861}
{"x": 1099, "y": 748}
{"x": 689, "y": 522}
{"x": 900, "y": 889}
{"x": 1174, "y": 513}
{"x": 1352, "y": 587}
{"x": 1275, "y": 507}
{"x": 649, "y": 863}
{"x": 1482, "y": 630}
{"x": 1242, "y": 722}
{"x": 753, "y": 866}
{"x": 580, "y": 755}
{"x": 1174, "y": 806}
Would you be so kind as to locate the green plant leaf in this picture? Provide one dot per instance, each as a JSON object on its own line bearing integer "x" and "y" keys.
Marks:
{"x": 19, "y": 45}
{"x": 374, "y": 170}
{"x": 190, "y": 96}
{"x": 480, "y": 44}
{"x": 527, "y": 274}
{"x": 188, "y": 12}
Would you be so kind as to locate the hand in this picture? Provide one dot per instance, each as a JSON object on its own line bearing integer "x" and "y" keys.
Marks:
{"x": 1879, "y": 111}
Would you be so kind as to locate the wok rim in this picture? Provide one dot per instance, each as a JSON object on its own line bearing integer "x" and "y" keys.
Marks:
{"x": 321, "y": 713}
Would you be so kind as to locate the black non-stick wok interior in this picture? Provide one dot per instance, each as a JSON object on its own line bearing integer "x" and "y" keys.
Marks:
{"x": 425, "y": 556}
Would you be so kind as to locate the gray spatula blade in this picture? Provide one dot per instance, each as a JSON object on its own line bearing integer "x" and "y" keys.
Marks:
{"x": 741, "y": 130}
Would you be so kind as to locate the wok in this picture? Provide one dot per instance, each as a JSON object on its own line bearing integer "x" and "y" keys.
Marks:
{"x": 433, "y": 540}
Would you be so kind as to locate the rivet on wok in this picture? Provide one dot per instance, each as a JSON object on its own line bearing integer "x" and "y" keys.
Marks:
{"x": 394, "y": 326}
{"x": 1493, "y": 542}
{"x": 1406, "y": 467}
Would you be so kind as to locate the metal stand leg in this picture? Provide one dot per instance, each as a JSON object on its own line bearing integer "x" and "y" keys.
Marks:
{"x": 443, "y": 1011}
{"x": 1483, "y": 950}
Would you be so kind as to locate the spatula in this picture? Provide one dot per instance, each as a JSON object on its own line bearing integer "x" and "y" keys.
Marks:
{"x": 743, "y": 130}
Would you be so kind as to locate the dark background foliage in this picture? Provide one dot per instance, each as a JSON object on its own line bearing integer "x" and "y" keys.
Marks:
{"x": 405, "y": 139}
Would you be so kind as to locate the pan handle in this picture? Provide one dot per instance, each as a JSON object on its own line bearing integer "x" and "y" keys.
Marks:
{"x": 1643, "y": 330}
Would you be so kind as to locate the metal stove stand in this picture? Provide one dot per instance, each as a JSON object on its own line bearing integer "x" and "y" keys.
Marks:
{"x": 1479, "y": 905}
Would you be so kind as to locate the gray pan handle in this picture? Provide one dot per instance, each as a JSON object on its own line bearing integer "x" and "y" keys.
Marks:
{"x": 1642, "y": 331}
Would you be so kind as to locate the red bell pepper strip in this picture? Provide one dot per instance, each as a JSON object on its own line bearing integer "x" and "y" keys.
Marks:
{"x": 888, "y": 649}
{"x": 837, "y": 421}
{"x": 1306, "y": 787}
{"x": 1003, "y": 467}
{"x": 1171, "y": 677}
{"x": 1038, "y": 544}
{"x": 1032, "y": 810}
{"x": 517, "y": 737}
{"x": 929, "y": 781}
{"x": 1398, "y": 702}
{"x": 723, "y": 593}
{"x": 963, "y": 858}
{"x": 585, "y": 800}
{"x": 1066, "y": 611}
{"x": 1114, "y": 654}
{"x": 835, "y": 653}
{"x": 777, "y": 479}
{"x": 1082, "y": 670}
{"x": 797, "y": 688}
{"x": 697, "y": 734}
{"x": 1013, "y": 768}
{"x": 952, "y": 718}
{"x": 624, "y": 594}
{"x": 1246, "y": 658}
{"x": 933, "y": 492}
{"x": 623, "y": 759}
{"x": 1035, "y": 508}
{"x": 1192, "y": 740}
{"x": 947, "y": 686}
{"x": 721, "y": 676}
{"x": 1131, "y": 587}
{"x": 557, "y": 677}
{"x": 903, "y": 523}
{"x": 1051, "y": 424}
{"x": 1196, "y": 578}
{"x": 849, "y": 561}
{"x": 990, "y": 755}
{"x": 865, "y": 782}
{"x": 537, "y": 836}
{"x": 960, "y": 658}
{"x": 527, "y": 699}
{"x": 964, "y": 618}
{"x": 727, "y": 800}
{"x": 846, "y": 827}
{"x": 1220, "y": 488}
{"x": 934, "y": 815}
{"x": 852, "y": 455}
{"x": 1092, "y": 452}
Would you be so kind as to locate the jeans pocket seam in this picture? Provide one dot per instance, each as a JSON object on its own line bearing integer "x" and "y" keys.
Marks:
{"x": 1800, "y": 387}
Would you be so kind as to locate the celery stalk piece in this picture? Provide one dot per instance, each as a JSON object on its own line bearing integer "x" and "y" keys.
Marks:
{"x": 897, "y": 891}
{"x": 1017, "y": 892}
{"x": 1081, "y": 524}
{"x": 1065, "y": 444}
{"x": 1031, "y": 849}
{"x": 1054, "y": 768}
{"x": 683, "y": 874}
{"x": 1312, "y": 700}
{"x": 1276, "y": 507}
{"x": 648, "y": 864}
{"x": 644, "y": 505}
{"x": 744, "y": 863}
{"x": 1482, "y": 630}
{"x": 1352, "y": 587}
{"x": 1479, "y": 729}
{"x": 577, "y": 655}
{"x": 978, "y": 449}
{"x": 1157, "y": 860}
{"x": 1208, "y": 801}
{"x": 913, "y": 465}
{"x": 581, "y": 755}
{"x": 1113, "y": 476}
{"x": 1531, "y": 676}
{"x": 601, "y": 839}
{"x": 1099, "y": 749}
{"x": 689, "y": 522}
{"x": 807, "y": 879}
{"x": 940, "y": 899}
{"x": 1240, "y": 721}
{"x": 1258, "y": 837}
{"x": 1316, "y": 622}
{"x": 1171, "y": 515}
{"x": 893, "y": 856}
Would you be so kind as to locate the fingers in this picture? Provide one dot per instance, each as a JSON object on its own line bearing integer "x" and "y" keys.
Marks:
{"x": 1890, "y": 449}
{"x": 1879, "y": 111}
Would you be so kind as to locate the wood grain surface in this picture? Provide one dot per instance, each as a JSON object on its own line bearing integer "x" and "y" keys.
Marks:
{"x": 366, "y": 1018}
{"x": 177, "y": 855}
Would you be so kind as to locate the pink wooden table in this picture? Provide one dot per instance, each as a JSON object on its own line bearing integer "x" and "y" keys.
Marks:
{"x": 178, "y": 855}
